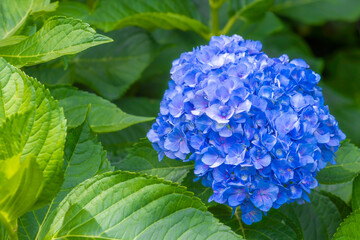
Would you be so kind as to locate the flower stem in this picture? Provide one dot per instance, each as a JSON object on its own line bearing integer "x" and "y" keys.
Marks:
{"x": 215, "y": 5}
{"x": 237, "y": 215}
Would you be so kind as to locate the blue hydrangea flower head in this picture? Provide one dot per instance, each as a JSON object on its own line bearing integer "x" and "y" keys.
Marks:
{"x": 256, "y": 127}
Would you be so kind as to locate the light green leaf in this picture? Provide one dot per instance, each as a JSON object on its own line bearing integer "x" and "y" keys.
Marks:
{"x": 349, "y": 229}
{"x": 73, "y": 9}
{"x": 20, "y": 187}
{"x": 318, "y": 12}
{"x": 251, "y": 11}
{"x": 103, "y": 115}
{"x": 84, "y": 158}
{"x": 12, "y": 40}
{"x": 43, "y": 135}
{"x": 143, "y": 158}
{"x": 12, "y": 16}
{"x": 341, "y": 190}
{"x": 168, "y": 14}
{"x": 44, "y": 6}
{"x": 122, "y": 205}
{"x": 346, "y": 168}
{"x": 355, "y": 201}
{"x": 59, "y": 36}
{"x": 110, "y": 69}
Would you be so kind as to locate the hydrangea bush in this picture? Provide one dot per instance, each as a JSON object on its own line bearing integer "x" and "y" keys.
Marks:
{"x": 256, "y": 127}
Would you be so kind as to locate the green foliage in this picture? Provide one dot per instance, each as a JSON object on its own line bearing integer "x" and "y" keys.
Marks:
{"x": 84, "y": 158}
{"x": 13, "y": 18}
{"x": 355, "y": 201}
{"x": 318, "y": 11}
{"x": 139, "y": 207}
{"x": 349, "y": 229}
{"x": 168, "y": 14}
{"x": 143, "y": 158}
{"x": 346, "y": 168}
{"x": 20, "y": 186}
{"x": 59, "y": 36}
{"x": 76, "y": 104}
{"x": 81, "y": 195}
{"x": 251, "y": 11}
{"x": 42, "y": 134}
{"x": 316, "y": 220}
{"x": 109, "y": 69}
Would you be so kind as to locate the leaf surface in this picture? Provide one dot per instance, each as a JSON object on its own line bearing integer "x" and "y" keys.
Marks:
{"x": 58, "y": 36}
{"x": 103, "y": 116}
{"x": 122, "y": 205}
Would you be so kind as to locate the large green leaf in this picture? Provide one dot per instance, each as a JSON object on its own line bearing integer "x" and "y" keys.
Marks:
{"x": 103, "y": 116}
{"x": 110, "y": 69}
{"x": 318, "y": 11}
{"x": 20, "y": 186}
{"x": 43, "y": 135}
{"x": 346, "y": 168}
{"x": 349, "y": 229}
{"x": 143, "y": 158}
{"x": 316, "y": 220}
{"x": 341, "y": 190}
{"x": 84, "y": 158}
{"x": 122, "y": 205}
{"x": 59, "y": 36}
{"x": 13, "y": 14}
{"x": 168, "y": 14}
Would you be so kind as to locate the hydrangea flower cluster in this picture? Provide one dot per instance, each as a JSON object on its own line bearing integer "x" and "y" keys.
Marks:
{"x": 256, "y": 126}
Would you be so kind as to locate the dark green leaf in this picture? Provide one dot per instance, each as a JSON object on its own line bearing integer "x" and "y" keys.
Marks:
{"x": 318, "y": 11}
{"x": 168, "y": 14}
{"x": 251, "y": 10}
{"x": 109, "y": 70}
{"x": 346, "y": 168}
{"x": 143, "y": 158}
{"x": 355, "y": 201}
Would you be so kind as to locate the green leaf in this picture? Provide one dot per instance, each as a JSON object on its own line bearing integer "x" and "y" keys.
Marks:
{"x": 342, "y": 207}
{"x": 276, "y": 225}
{"x": 110, "y": 69}
{"x": 76, "y": 102}
{"x": 341, "y": 190}
{"x": 73, "y": 9}
{"x": 117, "y": 143}
{"x": 168, "y": 14}
{"x": 198, "y": 189}
{"x": 349, "y": 229}
{"x": 355, "y": 201}
{"x": 13, "y": 15}
{"x": 253, "y": 10}
{"x": 59, "y": 36}
{"x": 318, "y": 12}
{"x": 143, "y": 158}
{"x": 122, "y": 205}
{"x": 316, "y": 220}
{"x": 84, "y": 158}
{"x": 259, "y": 30}
{"x": 346, "y": 168}
{"x": 20, "y": 187}
{"x": 43, "y": 135}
